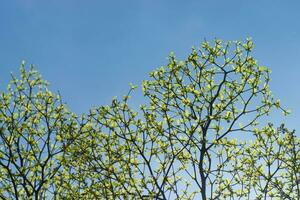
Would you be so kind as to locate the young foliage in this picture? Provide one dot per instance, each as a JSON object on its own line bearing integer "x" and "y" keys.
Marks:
{"x": 203, "y": 133}
{"x": 35, "y": 131}
{"x": 183, "y": 144}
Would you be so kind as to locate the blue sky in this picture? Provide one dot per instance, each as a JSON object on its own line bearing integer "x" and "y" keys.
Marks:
{"x": 90, "y": 50}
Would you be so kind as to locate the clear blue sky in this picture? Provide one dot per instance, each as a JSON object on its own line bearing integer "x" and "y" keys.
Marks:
{"x": 90, "y": 50}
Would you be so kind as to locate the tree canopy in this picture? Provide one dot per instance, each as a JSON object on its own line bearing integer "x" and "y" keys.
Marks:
{"x": 204, "y": 132}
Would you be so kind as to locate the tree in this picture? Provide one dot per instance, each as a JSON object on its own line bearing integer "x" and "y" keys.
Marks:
{"x": 36, "y": 128}
{"x": 203, "y": 133}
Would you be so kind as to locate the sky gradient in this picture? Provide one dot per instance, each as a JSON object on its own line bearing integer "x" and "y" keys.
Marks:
{"x": 91, "y": 50}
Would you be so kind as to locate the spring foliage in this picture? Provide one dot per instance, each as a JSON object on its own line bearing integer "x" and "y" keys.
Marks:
{"x": 204, "y": 132}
